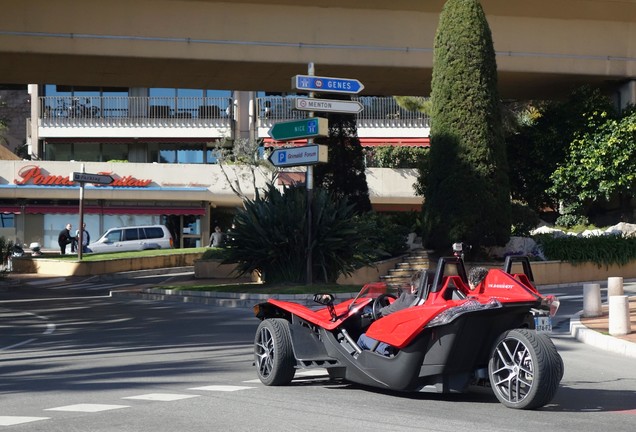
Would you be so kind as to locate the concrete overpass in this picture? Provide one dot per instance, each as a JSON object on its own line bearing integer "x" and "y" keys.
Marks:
{"x": 544, "y": 47}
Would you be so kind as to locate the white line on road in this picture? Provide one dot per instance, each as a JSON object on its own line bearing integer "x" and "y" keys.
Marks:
{"x": 162, "y": 397}
{"x": 92, "y": 408}
{"x": 16, "y": 420}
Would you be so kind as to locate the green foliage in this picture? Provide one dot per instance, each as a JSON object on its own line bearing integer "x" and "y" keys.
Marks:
{"x": 524, "y": 219}
{"x": 601, "y": 162}
{"x": 6, "y": 247}
{"x": 602, "y": 250}
{"x": 570, "y": 220}
{"x": 214, "y": 254}
{"x": 399, "y": 157}
{"x": 344, "y": 175}
{"x": 270, "y": 237}
{"x": 536, "y": 147}
{"x": 387, "y": 236}
{"x": 414, "y": 103}
{"x": 466, "y": 190}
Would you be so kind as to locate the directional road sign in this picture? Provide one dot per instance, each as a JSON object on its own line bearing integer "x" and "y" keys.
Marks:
{"x": 92, "y": 178}
{"x": 306, "y": 128}
{"x": 326, "y": 84}
{"x": 327, "y": 105}
{"x": 296, "y": 156}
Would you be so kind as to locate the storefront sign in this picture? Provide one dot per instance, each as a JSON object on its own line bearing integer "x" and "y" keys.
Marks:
{"x": 32, "y": 174}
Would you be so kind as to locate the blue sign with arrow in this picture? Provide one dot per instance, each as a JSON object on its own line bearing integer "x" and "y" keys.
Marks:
{"x": 326, "y": 84}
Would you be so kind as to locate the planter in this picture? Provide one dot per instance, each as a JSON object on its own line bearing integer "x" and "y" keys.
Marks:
{"x": 562, "y": 272}
{"x": 57, "y": 267}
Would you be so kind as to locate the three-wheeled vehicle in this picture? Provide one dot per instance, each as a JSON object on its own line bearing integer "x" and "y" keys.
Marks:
{"x": 451, "y": 338}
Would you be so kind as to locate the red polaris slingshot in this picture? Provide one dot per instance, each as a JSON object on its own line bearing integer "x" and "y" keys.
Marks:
{"x": 450, "y": 339}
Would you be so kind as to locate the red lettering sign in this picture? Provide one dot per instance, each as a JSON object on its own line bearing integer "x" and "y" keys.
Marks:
{"x": 32, "y": 174}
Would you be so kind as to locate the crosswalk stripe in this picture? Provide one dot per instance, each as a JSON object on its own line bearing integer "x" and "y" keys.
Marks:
{"x": 92, "y": 408}
{"x": 16, "y": 420}
{"x": 162, "y": 397}
{"x": 221, "y": 388}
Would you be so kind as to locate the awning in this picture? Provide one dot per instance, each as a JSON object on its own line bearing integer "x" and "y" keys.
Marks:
{"x": 9, "y": 209}
{"x": 132, "y": 210}
{"x": 364, "y": 142}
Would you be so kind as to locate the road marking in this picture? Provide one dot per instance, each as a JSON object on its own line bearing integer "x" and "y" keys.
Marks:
{"x": 163, "y": 397}
{"x": 221, "y": 388}
{"x": 16, "y": 420}
{"x": 47, "y": 281}
{"x": 92, "y": 408}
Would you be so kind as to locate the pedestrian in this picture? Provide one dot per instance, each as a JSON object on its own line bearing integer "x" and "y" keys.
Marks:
{"x": 86, "y": 238}
{"x": 64, "y": 238}
{"x": 216, "y": 239}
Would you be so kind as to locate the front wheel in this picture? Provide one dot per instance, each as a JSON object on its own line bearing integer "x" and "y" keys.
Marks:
{"x": 273, "y": 355}
{"x": 522, "y": 373}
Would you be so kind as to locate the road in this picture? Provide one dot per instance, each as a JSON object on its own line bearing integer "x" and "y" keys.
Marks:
{"x": 95, "y": 363}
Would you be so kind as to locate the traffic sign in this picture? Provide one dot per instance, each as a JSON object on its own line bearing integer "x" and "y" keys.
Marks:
{"x": 326, "y": 84}
{"x": 328, "y": 105}
{"x": 306, "y": 128}
{"x": 296, "y": 156}
{"x": 92, "y": 178}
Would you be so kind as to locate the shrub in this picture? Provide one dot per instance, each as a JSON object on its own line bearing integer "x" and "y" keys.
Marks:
{"x": 270, "y": 237}
{"x": 602, "y": 250}
{"x": 524, "y": 219}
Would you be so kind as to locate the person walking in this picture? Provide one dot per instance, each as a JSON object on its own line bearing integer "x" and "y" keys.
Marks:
{"x": 64, "y": 238}
{"x": 216, "y": 239}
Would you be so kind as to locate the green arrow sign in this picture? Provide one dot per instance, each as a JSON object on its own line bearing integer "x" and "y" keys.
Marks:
{"x": 307, "y": 128}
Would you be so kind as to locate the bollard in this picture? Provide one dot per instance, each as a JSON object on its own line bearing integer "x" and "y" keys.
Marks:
{"x": 619, "y": 321}
{"x": 615, "y": 286}
{"x": 592, "y": 300}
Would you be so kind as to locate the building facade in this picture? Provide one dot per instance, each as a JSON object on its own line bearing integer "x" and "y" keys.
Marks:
{"x": 159, "y": 146}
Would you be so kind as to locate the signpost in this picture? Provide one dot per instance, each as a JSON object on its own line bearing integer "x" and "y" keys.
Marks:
{"x": 328, "y": 105}
{"x": 297, "y": 156}
{"x": 306, "y": 128}
{"x": 81, "y": 178}
{"x": 326, "y": 84}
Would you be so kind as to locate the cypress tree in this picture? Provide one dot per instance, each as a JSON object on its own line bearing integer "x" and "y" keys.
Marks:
{"x": 467, "y": 191}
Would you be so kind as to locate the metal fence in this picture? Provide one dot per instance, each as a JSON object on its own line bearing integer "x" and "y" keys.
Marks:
{"x": 378, "y": 112}
{"x": 96, "y": 111}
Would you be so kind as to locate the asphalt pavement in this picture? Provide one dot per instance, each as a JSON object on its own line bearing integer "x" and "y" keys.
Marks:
{"x": 148, "y": 285}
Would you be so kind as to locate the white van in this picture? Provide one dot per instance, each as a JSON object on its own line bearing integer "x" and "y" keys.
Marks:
{"x": 136, "y": 238}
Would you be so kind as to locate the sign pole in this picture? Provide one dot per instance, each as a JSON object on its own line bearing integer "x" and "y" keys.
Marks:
{"x": 80, "y": 239}
{"x": 309, "y": 179}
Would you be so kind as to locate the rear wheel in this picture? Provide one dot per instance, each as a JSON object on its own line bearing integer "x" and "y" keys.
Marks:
{"x": 557, "y": 361}
{"x": 522, "y": 372}
{"x": 274, "y": 358}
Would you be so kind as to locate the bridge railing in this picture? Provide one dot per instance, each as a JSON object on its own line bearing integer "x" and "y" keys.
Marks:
{"x": 378, "y": 112}
{"x": 132, "y": 111}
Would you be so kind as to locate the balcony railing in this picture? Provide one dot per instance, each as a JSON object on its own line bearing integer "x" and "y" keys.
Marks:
{"x": 378, "y": 112}
{"x": 124, "y": 111}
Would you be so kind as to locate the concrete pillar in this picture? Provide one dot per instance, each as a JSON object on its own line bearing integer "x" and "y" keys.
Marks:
{"x": 615, "y": 286}
{"x": 592, "y": 300}
{"x": 619, "y": 320}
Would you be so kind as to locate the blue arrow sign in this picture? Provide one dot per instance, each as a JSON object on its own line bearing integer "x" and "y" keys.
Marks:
{"x": 326, "y": 84}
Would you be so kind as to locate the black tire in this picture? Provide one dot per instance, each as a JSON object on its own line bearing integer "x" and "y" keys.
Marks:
{"x": 521, "y": 371}
{"x": 273, "y": 354}
{"x": 557, "y": 360}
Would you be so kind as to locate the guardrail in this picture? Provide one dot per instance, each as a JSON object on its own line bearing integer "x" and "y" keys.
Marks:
{"x": 133, "y": 111}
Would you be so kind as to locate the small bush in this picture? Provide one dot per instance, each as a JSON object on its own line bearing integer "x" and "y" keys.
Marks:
{"x": 214, "y": 253}
{"x": 569, "y": 220}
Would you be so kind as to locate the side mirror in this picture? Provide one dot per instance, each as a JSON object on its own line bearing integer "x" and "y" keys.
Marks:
{"x": 324, "y": 298}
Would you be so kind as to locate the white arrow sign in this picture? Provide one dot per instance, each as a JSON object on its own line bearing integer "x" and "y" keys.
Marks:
{"x": 92, "y": 178}
{"x": 328, "y": 105}
{"x": 296, "y": 156}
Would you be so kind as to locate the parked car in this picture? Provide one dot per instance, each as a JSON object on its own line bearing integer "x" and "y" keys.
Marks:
{"x": 134, "y": 238}
{"x": 451, "y": 340}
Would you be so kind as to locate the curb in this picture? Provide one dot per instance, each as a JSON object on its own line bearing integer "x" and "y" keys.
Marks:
{"x": 600, "y": 340}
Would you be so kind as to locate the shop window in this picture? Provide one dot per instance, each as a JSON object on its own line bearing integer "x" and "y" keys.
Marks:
{"x": 58, "y": 151}
{"x": 7, "y": 220}
{"x": 87, "y": 152}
